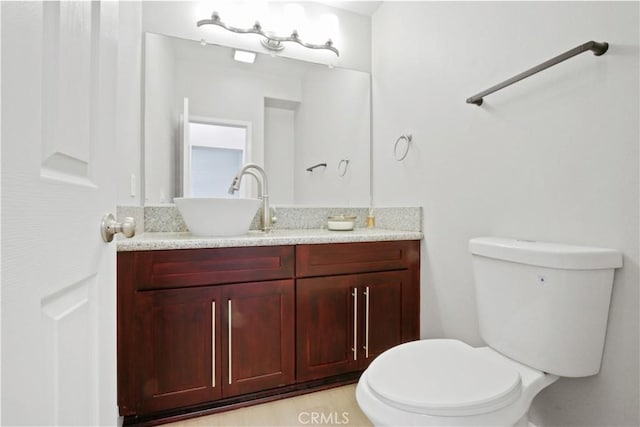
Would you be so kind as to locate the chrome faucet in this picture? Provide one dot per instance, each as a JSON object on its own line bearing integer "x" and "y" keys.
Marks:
{"x": 263, "y": 193}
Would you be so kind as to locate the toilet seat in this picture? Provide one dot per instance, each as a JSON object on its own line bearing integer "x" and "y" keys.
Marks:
{"x": 442, "y": 377}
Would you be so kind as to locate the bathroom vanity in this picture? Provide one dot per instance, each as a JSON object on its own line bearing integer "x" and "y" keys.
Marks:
{"x": 201, "y": 329}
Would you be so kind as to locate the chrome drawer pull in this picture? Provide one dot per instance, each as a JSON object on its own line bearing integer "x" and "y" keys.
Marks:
{"x": 230, "y": 358}
{"x": 366, "y": 323}
{"x": 355, "y": 324}
{"x": 213, "y": 343}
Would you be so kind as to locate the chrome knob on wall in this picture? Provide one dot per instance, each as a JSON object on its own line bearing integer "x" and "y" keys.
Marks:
{"x": 109, "y": 227}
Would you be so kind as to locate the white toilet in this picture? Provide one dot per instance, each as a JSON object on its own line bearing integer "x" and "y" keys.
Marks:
{"x": 542, "y": 309}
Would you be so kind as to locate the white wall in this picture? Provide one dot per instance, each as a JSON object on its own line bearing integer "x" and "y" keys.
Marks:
{"x": 128, "y": 158}
{"x": 333, "y": 125}
{"x": 161, "y": 119}
{"x": 279, "y": 154}
{"x": 554, "y": 157}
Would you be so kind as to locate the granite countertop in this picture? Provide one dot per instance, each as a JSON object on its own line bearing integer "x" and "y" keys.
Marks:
{"x": 184, "y": 240}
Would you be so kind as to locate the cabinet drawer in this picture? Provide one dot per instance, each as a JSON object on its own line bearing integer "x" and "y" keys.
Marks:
{"x": 345, "y": 258}
{"x": 200, "y": 267}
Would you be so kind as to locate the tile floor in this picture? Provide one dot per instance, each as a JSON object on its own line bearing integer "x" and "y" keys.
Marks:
{"x": 333, "y": 407}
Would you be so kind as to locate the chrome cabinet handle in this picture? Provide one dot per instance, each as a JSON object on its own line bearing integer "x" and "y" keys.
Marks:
{"x": 366, "y": 323}
{"x": 355, "y": 324}
{"x": 213, "y": 343}
{"x": 229, "y": 326}
{"x": 109, "y": 227}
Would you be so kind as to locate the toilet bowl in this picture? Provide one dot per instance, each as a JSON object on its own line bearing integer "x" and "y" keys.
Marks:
{"x": 442, "y": 382}
{"x": 542, "y": 311}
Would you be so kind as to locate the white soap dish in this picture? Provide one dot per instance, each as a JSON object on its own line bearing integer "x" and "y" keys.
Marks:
{"x": 341, "y": 222}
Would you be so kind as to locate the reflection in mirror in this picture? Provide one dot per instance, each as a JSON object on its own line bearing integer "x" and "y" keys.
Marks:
{"x": 216, "y": 152}
{"x": 283, "y": 114}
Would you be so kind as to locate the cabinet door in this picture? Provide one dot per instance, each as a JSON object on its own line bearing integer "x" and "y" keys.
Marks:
{"x": 383, "y": 323}
{"x": 327, "y": 323}
{"x": 178, "y": 359}
{"x": 258, "y": 337}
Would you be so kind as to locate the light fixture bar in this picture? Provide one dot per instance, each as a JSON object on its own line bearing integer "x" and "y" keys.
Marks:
{"x": 271, "y": 42}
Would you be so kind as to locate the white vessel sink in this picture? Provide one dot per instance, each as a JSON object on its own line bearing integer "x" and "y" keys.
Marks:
{"x": 209, "y": 216}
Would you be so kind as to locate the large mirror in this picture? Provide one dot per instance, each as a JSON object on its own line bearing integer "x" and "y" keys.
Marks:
{"x": 205, "y": 114}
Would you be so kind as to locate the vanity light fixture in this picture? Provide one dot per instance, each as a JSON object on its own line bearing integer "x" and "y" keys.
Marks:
{"x": 271, "y": 42}
{"x": 244, "y": 56}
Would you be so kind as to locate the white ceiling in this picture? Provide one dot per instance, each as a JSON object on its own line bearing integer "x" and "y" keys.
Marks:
{"x": 362, "y": 7}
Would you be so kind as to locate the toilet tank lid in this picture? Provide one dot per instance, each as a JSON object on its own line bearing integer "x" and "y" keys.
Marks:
{"x": 546, "y": 254}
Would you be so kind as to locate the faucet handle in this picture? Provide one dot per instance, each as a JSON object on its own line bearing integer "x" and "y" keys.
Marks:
{"x": 234, "y": 185}
{"x": 272, "y": 212}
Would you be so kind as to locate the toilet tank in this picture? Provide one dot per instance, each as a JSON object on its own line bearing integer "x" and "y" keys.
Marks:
{"x": 544, "y": 304}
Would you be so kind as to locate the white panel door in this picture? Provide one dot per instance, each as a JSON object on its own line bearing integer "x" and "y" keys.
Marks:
{"x": 59, "y": 64}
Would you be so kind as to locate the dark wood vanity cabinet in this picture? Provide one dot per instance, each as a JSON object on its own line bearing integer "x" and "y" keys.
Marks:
{"x": 178, "y": 332}
{"x": 188, "y": 334}
{"x": 257, "y": 337}
{"x": 344, "y": 322}
{"x": 202, "y": 343}
{"x": 198, "y": 326}
{"x": 348, "y": 318}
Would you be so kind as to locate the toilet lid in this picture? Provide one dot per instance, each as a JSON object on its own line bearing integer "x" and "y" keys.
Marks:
{"x": 443, "y": 378}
